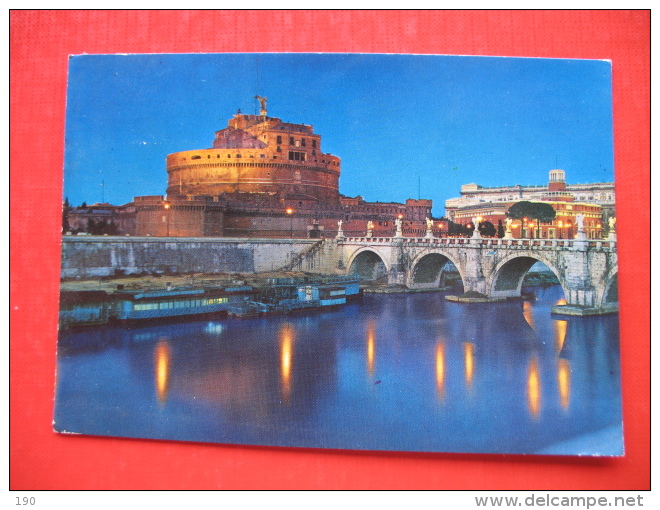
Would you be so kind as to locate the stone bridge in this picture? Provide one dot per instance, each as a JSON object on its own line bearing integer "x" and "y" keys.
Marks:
{"x": 586, "y": 269}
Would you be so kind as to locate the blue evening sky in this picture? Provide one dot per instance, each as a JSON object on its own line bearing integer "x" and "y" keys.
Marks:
{"x": 396, "y": 121}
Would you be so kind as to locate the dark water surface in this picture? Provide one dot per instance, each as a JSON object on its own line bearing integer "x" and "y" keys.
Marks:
{"x": 393, "y": 372}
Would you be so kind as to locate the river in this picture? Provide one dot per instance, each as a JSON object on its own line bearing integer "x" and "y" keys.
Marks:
{"x": 406, "y": 372}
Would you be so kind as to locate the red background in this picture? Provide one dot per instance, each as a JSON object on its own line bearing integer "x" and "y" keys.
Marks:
{"x": 40, "y": 42}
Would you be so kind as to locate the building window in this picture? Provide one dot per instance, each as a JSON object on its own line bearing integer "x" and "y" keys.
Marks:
{"x": 291, "y": 142}
{"x": 196, "y": 157}
{"x": 279, "y": 149}
{"x": 262, "y": 156}
{"x": 279, "y": 139}
{"x": 297, "y": 156}
{"x": 314, "y": 144}
{"x": 303, "y": 142}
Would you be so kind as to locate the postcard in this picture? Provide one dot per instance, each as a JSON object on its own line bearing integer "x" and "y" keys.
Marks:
{"x": 345, "y": 251}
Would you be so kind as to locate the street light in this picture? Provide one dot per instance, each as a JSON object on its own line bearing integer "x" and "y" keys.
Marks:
{"x": 289, "y": 211}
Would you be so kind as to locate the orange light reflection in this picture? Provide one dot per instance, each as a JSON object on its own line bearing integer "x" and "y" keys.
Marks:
{"x": 469, "y": 363}
{"x": 560, "y": 334}
{"x": 534, "y": 389}
{"x": 371, "y": 348}
{"x": 528, "y": 313}
{"x": 286, "y": 335}
{"x": 440, "y": 369}
{"x": 564, "y": 381}
{"x": 162, "y": 370}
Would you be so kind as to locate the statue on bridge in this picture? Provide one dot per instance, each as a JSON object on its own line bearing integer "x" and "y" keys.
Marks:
{"x": 475, "y": 222}
{"x": 611, "y": 236}
{"x": 399, "y": 227}
{"x": 507, "y": 233}
{"x": 340, "y": 232}
{"x": 579, "y": 221}
{"x": 370, "y": 228}
{"x": 429, "y": 227}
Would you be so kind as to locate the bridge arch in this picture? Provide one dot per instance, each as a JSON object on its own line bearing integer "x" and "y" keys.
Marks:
{"x": 507, "y": 277}
{"x": 427, "y": 268}
{"x": 611, "y": 289}
{"x": 368, "y": 263}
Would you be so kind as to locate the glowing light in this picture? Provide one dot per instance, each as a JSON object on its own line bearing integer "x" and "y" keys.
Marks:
{"x": 214, "y": 328}
{"x": 534, "y": 389}
{"x": 440, "y": 368}
{"x": 564, "y": 382}
{"x": 166, "y": 205}
{"x": 162, "y": 372}
{"x": 286, "y": 335}
{"x": 371, "y": 348}
{"x": 289, "y": 211}
{"x": 468, "y": 349}
{"x": 560, "y": 334}
{"x": 528, "y": 313}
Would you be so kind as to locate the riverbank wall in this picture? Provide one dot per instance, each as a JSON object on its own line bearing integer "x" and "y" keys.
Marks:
{"x": 96, "y": 256}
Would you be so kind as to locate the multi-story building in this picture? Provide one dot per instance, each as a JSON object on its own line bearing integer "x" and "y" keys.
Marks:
{"x": 600, "y": 193}
{"x": 595, "y": 202}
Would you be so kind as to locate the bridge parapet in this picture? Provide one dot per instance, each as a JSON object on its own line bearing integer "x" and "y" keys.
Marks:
{"x": 526, "y": 244}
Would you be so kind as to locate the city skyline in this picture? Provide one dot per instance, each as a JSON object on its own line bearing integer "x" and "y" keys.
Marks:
{"x": 405, "y": 126}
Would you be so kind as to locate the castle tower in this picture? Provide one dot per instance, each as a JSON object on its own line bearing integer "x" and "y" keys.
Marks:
{"x": 257, "y": 154}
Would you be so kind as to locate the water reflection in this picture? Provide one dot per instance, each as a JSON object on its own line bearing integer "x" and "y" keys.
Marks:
{"x": 286, "y": 359}
{"x": 560, "y": 333}
{"x": 534, "y": 388}
{"x": 371, "y": 347}
{"x": 440, "y": 369}
{"x": 468, "y": 350}
{"x": 528, "y": 313}
{"x": 162, "y": 369}
{"x": 564, "y": 382}
{"x": 300, "y": 380}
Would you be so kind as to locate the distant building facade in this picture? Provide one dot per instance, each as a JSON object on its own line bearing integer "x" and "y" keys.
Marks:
{"x": 595, "y": 202}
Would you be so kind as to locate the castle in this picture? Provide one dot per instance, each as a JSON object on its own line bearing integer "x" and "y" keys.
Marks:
{"x": 262, "y": 177}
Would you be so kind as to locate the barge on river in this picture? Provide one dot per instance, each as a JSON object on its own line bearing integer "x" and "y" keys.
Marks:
{"x": 276, "y": 295}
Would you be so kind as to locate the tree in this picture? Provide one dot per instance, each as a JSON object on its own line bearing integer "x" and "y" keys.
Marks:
{"x": 487, "y": 229}
{"x": 66, "y": 207}
{"x": 500, "y": 229}
{"x": 539, "y": 211}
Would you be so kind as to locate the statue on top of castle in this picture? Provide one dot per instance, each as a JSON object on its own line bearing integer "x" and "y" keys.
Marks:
{"x": 262, "y": 104}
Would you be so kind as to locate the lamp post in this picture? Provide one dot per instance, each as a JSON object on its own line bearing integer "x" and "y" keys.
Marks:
{"x": 166, "y": 205}
{"x": 568, "y": 229}
{"x": 531, "y": 230}
{"x": 289, "y": 212}
{"x": 560, "y": 224}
